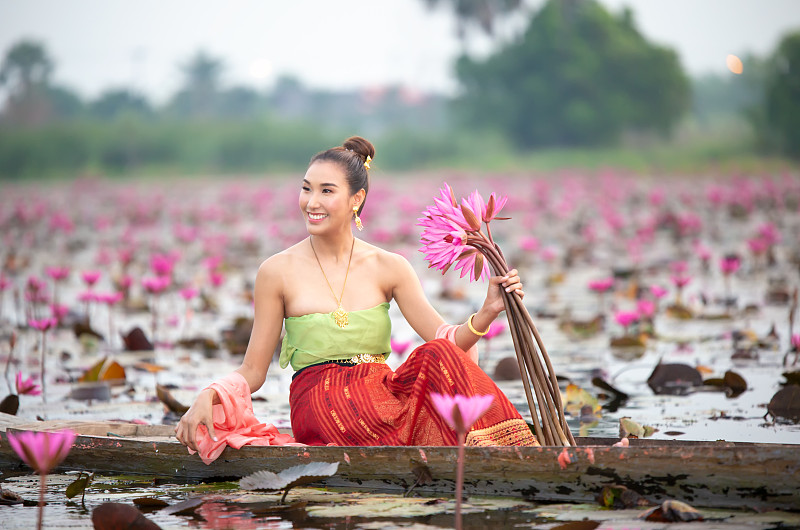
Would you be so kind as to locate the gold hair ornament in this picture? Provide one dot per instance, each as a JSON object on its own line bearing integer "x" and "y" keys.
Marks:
{"x": 367, "y": 161}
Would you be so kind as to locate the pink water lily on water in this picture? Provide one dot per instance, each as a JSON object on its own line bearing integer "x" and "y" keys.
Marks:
{"x": 42, "y": 451}
{"x": 400, "y": 346}
{"x": 495, "y": 329}
{"x": 460, "y": 413}
{"x": 26, "y": 386}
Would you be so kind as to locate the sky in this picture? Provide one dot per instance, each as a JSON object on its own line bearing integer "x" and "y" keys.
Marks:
{"x": 335, "y": 44}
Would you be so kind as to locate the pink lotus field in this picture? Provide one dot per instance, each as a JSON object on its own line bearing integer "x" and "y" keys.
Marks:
{"x": 178, "y": 257}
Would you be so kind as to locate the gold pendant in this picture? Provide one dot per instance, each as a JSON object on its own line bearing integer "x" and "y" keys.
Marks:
{"x": 340, "y": 317}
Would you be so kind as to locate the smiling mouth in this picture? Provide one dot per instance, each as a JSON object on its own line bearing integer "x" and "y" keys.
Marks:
{"x": 317, "y": 216}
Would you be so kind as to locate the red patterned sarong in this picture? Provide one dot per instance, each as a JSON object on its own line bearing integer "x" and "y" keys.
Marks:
{"x": 369, "y": 404}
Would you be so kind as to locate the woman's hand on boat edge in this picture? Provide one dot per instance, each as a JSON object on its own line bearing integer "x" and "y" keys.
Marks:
{"x": 200, "y": 413}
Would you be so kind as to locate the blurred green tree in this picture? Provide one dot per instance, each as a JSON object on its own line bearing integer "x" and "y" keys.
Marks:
{"x": 25, "y": 73}
{"x": 577, "y": 76}
{"x": 120, "y": 101}
{"x": 777, "y": 122}
{"x": 198, "y": 96}
{"x": 484, "y": 13}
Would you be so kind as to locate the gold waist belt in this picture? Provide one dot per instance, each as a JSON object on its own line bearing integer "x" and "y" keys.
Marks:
{"x": 362, "y": 358}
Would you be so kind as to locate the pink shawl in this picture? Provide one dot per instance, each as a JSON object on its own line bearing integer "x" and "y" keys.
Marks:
{"x": 234, "y": 421}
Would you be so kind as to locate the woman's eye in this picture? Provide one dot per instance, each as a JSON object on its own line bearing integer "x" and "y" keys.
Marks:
{"x": 306, "y": 188}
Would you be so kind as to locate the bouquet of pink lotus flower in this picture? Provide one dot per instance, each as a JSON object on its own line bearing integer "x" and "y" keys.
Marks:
{"x": 451, "y": 235}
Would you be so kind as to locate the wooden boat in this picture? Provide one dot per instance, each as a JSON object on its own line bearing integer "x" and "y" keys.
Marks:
{"x": 703, "y": 474}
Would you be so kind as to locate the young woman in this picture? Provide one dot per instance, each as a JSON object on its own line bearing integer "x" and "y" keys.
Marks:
{"x": 332, "y": 291}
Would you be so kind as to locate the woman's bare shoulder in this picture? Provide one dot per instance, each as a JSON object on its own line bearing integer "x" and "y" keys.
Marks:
{"x": 281, "y": 262}
{"x": 392, "y": 263}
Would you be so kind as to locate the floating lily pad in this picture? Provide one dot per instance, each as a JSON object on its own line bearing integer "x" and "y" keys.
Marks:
{"x": 289, "y": 478}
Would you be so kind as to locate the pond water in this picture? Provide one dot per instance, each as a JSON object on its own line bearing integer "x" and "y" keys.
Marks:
{"x": 565, "y": 232}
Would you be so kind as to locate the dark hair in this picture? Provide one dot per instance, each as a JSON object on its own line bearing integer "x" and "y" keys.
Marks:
{"x": 351, "y": 156}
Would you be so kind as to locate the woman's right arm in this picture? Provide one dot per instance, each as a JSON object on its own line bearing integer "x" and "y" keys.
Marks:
{"x": 267, "y": 323}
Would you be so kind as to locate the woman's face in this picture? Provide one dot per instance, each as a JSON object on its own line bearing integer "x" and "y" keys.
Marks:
{"x": 325, "y": 199}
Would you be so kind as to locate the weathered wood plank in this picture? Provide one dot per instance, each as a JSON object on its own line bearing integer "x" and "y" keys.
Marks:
{"x": 705, "y": 474}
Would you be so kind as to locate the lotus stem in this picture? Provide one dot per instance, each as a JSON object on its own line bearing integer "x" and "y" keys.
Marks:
{"x": 553, "y": 429}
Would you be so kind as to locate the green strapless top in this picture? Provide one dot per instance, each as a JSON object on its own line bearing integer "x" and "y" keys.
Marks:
{"x": 314, "y": 338}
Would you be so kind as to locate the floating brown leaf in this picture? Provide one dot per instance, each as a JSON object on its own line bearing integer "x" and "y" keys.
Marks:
{"x": 10, "y": 404}
{"x": 792, "y": 378}
{"x": 672, "y": 511}
{"x": 786, "y": 403}
{"x": 620, "y": 497}
{"x": 674, "y": 379}
{"x": 288, "y": 478}
{"x": 507, "y": 369}
{"x": 149, "y": 367}
{"x": 83, "y": 328}
{"x": 113, "y": 515}
{"x": 150, "y": 502}
{"x": 735, "y": 383}
{"x": 165, "y": 397}
{"x": 577, "y": 525}
{"x": 186, "y": 507}
{"x": 105, "y": 370}
{"x": 136, "y": 340}
{"x": 8, "y": 498}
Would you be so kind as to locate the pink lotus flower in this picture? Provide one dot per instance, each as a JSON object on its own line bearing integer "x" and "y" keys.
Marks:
{"x": 42, "y": 451}
{"x": 626, "y": 318}
{"x": 796, "y": 341}
{"x": 125, "y": 281}
{"x": 529, "y": 244}
{"x": 729, "y": 264}
{"x": 162, "y": 264}
{"x": 43, "y": 324}
{"x": 26, "y": 386}
{"x": 216, "y": 278}
{"x": 757, "y": 245}
{"x": 400, "y": 347}
{"x": 658, "y": 291}
{"x": 5, "y": 283}
{"x": 87, "y": 296}
{"x": 57, "y": 273}
{"x": 90, "y": 277}
{"x": 461, "y": 412}
{"x": 187, "y": 293}
{"x": 156, "y": 285}
{"x": 110, "y": 298}
{"x": 495, "y": 329}
{"x": 58, "y": 311}
{"x": 446, "y": 229}
{"x": 601, "y": 286}
{"x": 679, "y": 267}
{"x": 35, "y": 284}
{"x": 645, "y": 308}
{"x": 680, "y": 281}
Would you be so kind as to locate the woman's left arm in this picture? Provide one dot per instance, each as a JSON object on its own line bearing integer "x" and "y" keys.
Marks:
{"x": 425, "y": 320}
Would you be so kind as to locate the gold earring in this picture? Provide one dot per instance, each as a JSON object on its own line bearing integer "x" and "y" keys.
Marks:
{"x": 358, "y": 219}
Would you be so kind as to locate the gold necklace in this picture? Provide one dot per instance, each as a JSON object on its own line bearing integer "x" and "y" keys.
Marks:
{"x": 340, "y": 315}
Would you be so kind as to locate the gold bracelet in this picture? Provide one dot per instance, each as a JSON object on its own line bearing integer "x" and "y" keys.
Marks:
{"x": 472, "y": 328}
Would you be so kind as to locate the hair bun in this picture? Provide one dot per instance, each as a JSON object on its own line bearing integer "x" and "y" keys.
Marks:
{"x": 361, "y": 146}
